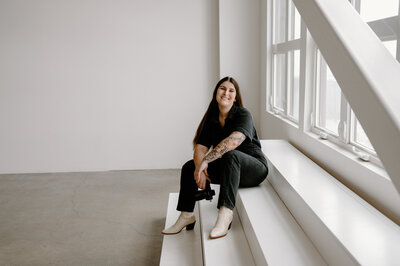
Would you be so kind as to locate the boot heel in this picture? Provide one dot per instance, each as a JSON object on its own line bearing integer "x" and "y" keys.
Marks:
{"x": 190, "y": 226}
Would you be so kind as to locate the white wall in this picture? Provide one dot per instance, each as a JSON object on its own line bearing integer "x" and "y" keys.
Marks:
{"x": 240, "y": 48}
{"x": 100, "y": 84}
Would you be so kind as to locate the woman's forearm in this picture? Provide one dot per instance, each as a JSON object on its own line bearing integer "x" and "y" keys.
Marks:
{"x": 200, "y": 152}
{"x": 227, "y": 144}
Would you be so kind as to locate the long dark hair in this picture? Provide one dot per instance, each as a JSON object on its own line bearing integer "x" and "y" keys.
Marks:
{"x": 213, "y": 106}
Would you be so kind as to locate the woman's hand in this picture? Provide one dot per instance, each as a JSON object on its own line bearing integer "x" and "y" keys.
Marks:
{"x": 201, "y": 175}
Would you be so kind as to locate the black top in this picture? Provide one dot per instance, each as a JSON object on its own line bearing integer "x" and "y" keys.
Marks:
{"x": 238, "y": 119}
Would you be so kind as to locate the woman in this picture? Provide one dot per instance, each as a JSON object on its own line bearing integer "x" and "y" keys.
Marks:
{"x": 235, "y": 160}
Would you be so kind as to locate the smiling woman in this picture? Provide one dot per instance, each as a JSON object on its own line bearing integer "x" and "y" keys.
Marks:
{"x": 227, "y": 151}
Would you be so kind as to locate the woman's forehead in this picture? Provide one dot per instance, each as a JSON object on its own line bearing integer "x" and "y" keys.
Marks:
{"x": 227, "y": 84}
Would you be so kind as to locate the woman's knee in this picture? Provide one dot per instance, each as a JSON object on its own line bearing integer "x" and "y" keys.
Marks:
{"x": 187, "y": 172}
{"x": 232, "y": 155}
{"x": 188, "y": 166}
{"x": 254, "y": 179}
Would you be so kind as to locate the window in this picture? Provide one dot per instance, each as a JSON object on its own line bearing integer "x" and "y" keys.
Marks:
{"x": 328, "y": 99}
{"x": 383, "y": 18}
{"x": 286, "y": 60}
{"x": 333, "y": 118}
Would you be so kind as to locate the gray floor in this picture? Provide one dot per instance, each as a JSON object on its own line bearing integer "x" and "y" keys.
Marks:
{"x": 102, "y": 218}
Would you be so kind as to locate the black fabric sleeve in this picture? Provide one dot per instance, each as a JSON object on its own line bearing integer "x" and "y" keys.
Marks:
{"x": 204, "y": 138}
{"x": 243, "y": 123}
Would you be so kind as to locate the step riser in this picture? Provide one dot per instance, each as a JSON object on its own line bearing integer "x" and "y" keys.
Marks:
{"x": 274, "y": 235}
{"x": 251, "y": 236}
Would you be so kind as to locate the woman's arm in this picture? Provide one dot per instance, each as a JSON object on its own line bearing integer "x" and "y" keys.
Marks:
{"x": 200, "y": 152}
{"x": 227, "y": 144}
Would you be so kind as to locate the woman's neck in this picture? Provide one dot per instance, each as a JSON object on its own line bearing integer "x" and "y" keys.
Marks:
{"x": 223, "y": 112}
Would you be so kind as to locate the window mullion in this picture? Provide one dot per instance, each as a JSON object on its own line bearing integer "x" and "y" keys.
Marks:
{"x": 317, "y": 80}
{"x": 287, "y": 85}
{"x": 287, "y": 20}
{"x": 398, "y": 41}
{"x": 322, "y": 90}
{"x": 273, "y": 22}
{"x": 353, "y": 129}
{"x": 273, "y": 81}
{"x": 291, "y": 83}
{"x": 357, "y": 5}
{"x": 287, "y": 70}
{"x": 398, "y": 51}
{"x": 306, "y": 83}
{"x": 344, "y": 120}
{"x": 290, "y": 20}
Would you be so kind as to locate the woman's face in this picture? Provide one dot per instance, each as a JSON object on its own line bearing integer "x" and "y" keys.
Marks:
{"x": 226, "y": 94}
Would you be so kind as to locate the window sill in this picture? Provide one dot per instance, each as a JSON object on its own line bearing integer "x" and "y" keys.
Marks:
{"x": 284, "y": 119}
{"x": 366, "y": 179}
{"x": 379, "y": 171}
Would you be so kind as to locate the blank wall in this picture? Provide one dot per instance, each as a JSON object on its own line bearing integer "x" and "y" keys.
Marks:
{"x": 103, "y": 85}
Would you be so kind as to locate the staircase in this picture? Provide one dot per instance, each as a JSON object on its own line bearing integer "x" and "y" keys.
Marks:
{"x": 299, "y": 216}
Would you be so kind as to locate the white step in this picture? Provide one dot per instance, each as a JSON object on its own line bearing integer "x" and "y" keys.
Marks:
{"x": 274, "y": 236}
{"x": 345, "y": 229}
{"x": 184, "y": 248}
{"x": 232, "y": 249}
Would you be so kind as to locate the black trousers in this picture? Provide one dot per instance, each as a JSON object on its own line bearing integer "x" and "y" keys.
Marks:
{"x": 233, "y": 170}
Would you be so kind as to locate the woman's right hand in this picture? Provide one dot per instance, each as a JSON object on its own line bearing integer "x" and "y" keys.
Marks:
{"x": 201, "y": 176}
{"x": 200, "y": 173}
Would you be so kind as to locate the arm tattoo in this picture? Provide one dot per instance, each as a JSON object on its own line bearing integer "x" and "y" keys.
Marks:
{"x": 227, "y": 144}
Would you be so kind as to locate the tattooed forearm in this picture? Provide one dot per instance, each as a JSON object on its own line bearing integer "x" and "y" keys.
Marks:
{"x": 227, "y": 144}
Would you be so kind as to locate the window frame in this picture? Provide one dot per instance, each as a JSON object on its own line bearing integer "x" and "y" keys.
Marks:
{"x": 368, "y": 178}
{"x": 346, "y": 128}
{"x": 287, "y": 47}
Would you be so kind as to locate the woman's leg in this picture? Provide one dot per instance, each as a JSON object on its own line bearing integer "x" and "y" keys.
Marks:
{"x": 233, "y": 170}
{"x": 188, "y": 188}
{"x": 185, "y": 202}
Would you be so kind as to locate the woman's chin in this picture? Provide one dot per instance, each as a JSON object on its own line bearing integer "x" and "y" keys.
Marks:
{"x": 224, "y": 104}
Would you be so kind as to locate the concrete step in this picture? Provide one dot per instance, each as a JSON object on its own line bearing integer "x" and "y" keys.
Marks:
{"x": 233, "y": 249}
{"x": 274, "y": 236}
{"x": 345, "y": 228}
{"x": 184, "y": 248}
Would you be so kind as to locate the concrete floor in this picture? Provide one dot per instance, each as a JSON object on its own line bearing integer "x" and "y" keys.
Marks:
{"x": 97, "y": 218}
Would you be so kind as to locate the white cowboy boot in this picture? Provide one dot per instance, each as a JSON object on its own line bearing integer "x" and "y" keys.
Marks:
{"x": 223, "y": 224}
{"x": 185, "y": 219}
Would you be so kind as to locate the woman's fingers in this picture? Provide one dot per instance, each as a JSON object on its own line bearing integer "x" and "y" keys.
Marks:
{"x": 205, "y": 172}
{"x": 200, "y": 176}
{"x": 197, "y": 175}
{"x": 202, "y": 183}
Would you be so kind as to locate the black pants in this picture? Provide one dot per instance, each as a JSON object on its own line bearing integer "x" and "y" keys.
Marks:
{"x": 233, "y": 170}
